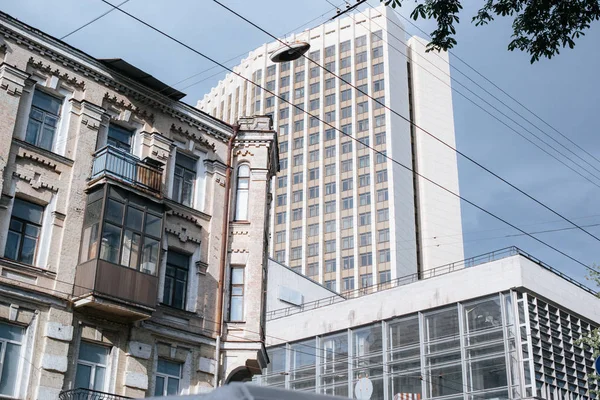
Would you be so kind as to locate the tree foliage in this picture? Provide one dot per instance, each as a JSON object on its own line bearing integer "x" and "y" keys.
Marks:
{"x": 540, "y": 27}
{"x": 592, "y": 339}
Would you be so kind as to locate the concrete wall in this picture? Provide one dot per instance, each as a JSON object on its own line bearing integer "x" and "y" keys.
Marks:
{"x": 292, "y": 285}
{"x": 461, "y": 285}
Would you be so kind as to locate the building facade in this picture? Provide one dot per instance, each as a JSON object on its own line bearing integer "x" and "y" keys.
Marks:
{"x": 344, "y": 214}
{"x": 503, "y": 329}
{"x": 123, "y": 267}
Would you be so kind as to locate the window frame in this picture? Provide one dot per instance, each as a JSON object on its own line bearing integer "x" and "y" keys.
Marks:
{"x": 22, "y": 234}
{"x": 241, "y": 214}
{"x": 42, "y": 121}
{"x": 240, "y": 295}
{"x": 167, "y": 378}
{"x": 177, "y": 193}
{"x": 178, "y": 268}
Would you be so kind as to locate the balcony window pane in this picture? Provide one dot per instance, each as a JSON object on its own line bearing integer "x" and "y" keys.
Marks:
{"x": 131, "y": 249}
{"x": 149, "y": 256}
{"x": 111, "y": 243}
{"x": 153, "y": 225}
{"x": 442, "y": 324}
{"x": 114, "y": 211}
{"x": 134, "y": 218}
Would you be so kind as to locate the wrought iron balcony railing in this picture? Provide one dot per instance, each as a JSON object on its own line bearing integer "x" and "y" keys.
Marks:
{"x": 126, "y": 167}
{"x": 87, "y": 394}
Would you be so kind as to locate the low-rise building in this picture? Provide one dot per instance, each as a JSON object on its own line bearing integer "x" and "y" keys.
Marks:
{"x": 505, "y": 327}
{"x": 131, "y": 226}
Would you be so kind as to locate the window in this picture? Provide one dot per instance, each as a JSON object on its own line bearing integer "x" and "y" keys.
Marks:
{"x": 377, "y": 51}
{"x": 347, "y": 222}
{"x": 236, "y": 303}
{"x": 284, "y": 80}
{"x": 330, "y": 265}
{"x": 366, "y": 259}
{"x": 363, "y": 143}
{"x": 314, "y": 105}
{"x": 43, "y": 120}
{"x": 283, "y": 163}
{"x": 282, "y": 181}
{"x": 281, "y": 217}
{"x": 360, "y": 41}
{"x": 314, "y": 73}
{"x": 329, "y": 51}
{"x": 364, "y": 239}
{"x": 345, "y": 63}
{"x": 297, "y": 196}
{"x": 361, "y": 74}
{"x": 313, "y": 210}
{"x": 347, "y": 112}
{"x": 313, "y": 156}
{"x": 382, "y": 195}
{"x": 280, "y": 237}
{"x": 330, "y": 246}
{"x": 176, "y": 277}
{"x": 379, "y": 102}
{"x": 363, "y": 125}
{"x": 184, "y": 177}
{"x": 380, "y": 138}
{"x": 362, "y": 107}
{"x": 384, "y": 236}
{"x": 91, "y": 366}
{"x": 299, "y": 76}
{"x": 379, "y": 121}
{"x": 347, "y": 184}
{"x": 348, "y": 262}
{"x": 366, "y": 280}
{"x": 347, "y": 242}
{"x": 377, "y": 68}
{"x": 330, "y": 100}
{"x": 313, "y": 249}
{"x": 284, "y": 113}
{"x": 284, "y": 129}
{"x": 297, "y": 178}
{"x": 330, "y": 67}
{"x": 11, "y": 341}
{"x": 313, "y": 173}
{"x": 329, "y": 83}
{"x": 330, "y": 169}
{"x": 362, "y": 90}
{"x": 315, "y": 55}
{"x": 364, "y": 199}
{"x": 330, "y": 207}
{"x": 330, "y": 134}
{"x": 271, "y": 70}
{"x": 257, "y": 106}
{"x": 269, "y": 101}
{"x": 297, "y": 233}
{"x": 330, "y": 285}
{"x": 283, "y": 147}
{"x": 313, "y": 230}
{"x": 271, "y": 85}
{"x": 346, "y": 165}
{"x": 376, "y": 36}
{"x": 364, "y": 180}
{"x": 168, "y": 374}
{"x": 364, "y": 219}
{"x": 119, "y": 138}
{"x": 241, "y": 200}
{"x": 313, "y": 192}
{"x": 382, "y": 176}
{"x": 285, "y": 96}
{"x": 348, "y": 283}
{"x": 298, "y": 125}
{"x": 330, "y": 116}
{"x": 24, "y": 231}
{"x": 330, "y": 188}
{"x": 313, "y": 122}
{"x": 347, "y": 203}
{"x": 361, "y": 57}
{"x": 298, "y": 143}
{"x": 298, "y": 160}
{"x": 381, "y": 157}
{"x": 299, "y": 93}
{"x": 296, "y": 214}
{"x": 383, "y": 215}
{"x": 345, "y": 46}
{"x": 378, "y": 85}
{"x": 280, "y": 256}
{"x": 329, "y": 151}
{"x": 329, "y": 226}
{"x": 313, "y": 139}
{"x": 346, "y": 78}
{"x": 384, "y": 256}
{"x": 312, "y": 269}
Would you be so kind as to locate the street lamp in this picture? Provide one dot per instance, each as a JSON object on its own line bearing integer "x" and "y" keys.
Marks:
{"x": 290, "y": 52}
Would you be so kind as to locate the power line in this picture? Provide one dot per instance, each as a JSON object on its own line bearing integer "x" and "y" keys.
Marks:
{"x": 502, "y": 90}
{"x": 92, "y": 21}
{"x": 385, "y": 155}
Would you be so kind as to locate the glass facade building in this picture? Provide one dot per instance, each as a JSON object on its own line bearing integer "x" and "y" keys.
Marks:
{"x": 508, "y": 345}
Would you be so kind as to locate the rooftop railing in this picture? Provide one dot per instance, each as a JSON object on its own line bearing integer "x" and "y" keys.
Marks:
{"x": 427, "y": 274}
{"x": 88, "y": 394}
{"x": 127, "y": 168}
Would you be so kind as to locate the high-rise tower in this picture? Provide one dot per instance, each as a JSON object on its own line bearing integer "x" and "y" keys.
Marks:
{"x": 343, "y": 214}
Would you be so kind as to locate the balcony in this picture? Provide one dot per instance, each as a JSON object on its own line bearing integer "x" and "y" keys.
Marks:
{"x": 127, "y": 168}
{"x": 115, "y": 291}
{"x": 87, "y": 394}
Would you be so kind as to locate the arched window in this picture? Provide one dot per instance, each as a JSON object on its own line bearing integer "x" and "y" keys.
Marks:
{"x": 241, "y": 199}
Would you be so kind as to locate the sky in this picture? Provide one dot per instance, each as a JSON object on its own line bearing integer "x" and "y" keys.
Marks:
{"x": 564, "y": 92}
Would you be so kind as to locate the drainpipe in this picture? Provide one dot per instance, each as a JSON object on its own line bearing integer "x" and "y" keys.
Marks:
{"x": 224, "y": 245}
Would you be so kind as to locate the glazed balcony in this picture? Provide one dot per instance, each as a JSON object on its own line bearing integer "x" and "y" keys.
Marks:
{"x": 127, "y": 168}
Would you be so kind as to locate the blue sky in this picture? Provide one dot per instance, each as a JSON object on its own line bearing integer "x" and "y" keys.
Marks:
{"x": 564, "y": 92}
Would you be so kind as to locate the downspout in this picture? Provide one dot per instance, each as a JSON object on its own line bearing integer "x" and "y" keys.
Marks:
{"x": 224, "y": 245}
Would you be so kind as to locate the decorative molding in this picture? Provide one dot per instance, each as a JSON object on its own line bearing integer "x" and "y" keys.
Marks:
{"x": 201, "y": 267}
{"x": 183, "y": 215}
{"x": 122, "y": 104}
{"x": 240, "y": 251}
{"x": 12, "y": 79}
{"x": 59, "y": 218}
{"x": 47, "y": 68}
{"x": 244, "y": 153}
{"x": 44, "y": 161}
{"x": 35, "y": 180}
{"x": 44, "y": 154}
{"x": 239, "y": 233}
{"x": 196, "y": 138}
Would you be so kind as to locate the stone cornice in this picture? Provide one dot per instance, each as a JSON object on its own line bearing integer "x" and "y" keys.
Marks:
{"x": 61, "y": 53}
{"x": 41, "y": 155}
{"x": 125, "y": 105}
{"x": 195, "y": 137}
{"x": 47, "y": 68}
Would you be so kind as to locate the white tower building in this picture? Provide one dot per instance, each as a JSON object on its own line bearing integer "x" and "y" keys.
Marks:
{"x": 343, "y": 214}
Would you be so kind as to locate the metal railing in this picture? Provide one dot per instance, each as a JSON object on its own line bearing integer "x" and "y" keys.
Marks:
{"x": 126, "y": 167}
{"x": 431, "y": 273}
{"x": 88, "y": 394}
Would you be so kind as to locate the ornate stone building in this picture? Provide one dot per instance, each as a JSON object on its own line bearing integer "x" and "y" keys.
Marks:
{"x": 131, "y": 225}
